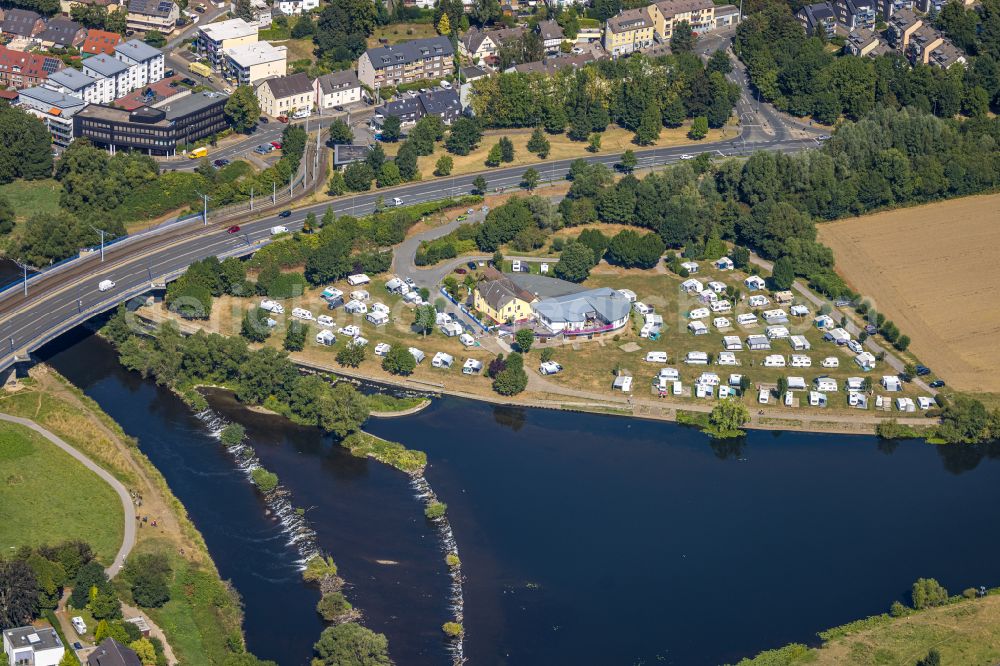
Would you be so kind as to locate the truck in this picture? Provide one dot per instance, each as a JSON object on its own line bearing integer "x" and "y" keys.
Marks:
{"x": 200, "y": 69}
{"x": 198, "y": 153}
{"x": 106, "y": 285}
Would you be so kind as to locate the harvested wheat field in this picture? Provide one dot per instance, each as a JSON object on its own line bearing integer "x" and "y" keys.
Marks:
{"x": 935, "y": 271}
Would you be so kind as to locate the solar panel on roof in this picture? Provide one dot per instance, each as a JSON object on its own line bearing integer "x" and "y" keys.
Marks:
{"x": 164, "y": 6}
{"x": 50, "y": 65}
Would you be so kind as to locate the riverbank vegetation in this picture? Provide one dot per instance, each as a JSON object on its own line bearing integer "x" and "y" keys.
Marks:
{"x": 387, "y": 403}
{"x": 963, "y": 629}
{"x": 363, "y": 444}
{"x": 202, "y": 618}
{"x": 259, "y": 377}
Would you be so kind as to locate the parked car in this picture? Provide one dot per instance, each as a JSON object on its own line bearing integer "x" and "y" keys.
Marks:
{"x": 549, "y": 368}
{"x": 471, "y": 265}
{"x": 461, "y": 271}
{"x": 276, "y": 144}
{"x": 282, "y": 119}
{"x": 923, "y": 370}
{"x": 264, "y": 120}
{"x": 189, "y": 82}
{"x": 409, "y": 282}
{"x": 261, "y": 150}
{"x": 235, "y": 229}
{"x": 855, "y": 346}
{"x": 285, "y": 213}
{"x": 842, "y": 302}
{"x": 220, "y": 163}
{"x": 937, "y": 383}
{"x": 871, "y": 329}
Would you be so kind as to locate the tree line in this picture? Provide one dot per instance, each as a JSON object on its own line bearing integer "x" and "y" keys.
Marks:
{"x": 799, "y": 75}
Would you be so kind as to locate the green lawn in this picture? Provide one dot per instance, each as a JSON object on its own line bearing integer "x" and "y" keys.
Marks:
{"x": 46, "y": 496}
{"x": 32, "y": 196}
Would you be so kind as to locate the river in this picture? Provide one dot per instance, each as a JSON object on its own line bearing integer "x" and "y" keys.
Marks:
{"x": 584, "y": 539}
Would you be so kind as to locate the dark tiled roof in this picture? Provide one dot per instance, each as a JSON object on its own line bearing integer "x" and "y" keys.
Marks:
{"x": 161, "y": 8}
{"x": 286, "y": 86}
{"x": 60, "y": 31}
{"x": 550, "y": 30}
{"x": 408, "y": 52}
{"x": 335, "y": 81}
{"x": 112, "y": 653}
{"x": 20, "y": 22}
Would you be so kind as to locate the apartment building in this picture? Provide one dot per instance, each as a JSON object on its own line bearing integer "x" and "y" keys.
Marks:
{"x": 250, "y": 63}
{"x": 922, "y": 43}
{"x": 285, "y": 95}
{"x": 54, "y": 108}
{"x": 145, "y": 63}
{"x": 666, "y": 14}
{"x": 854, "y": 14}
{"x": 946, "y": 55}
{"x": 19, "y": 69}
{"x": 336, "y": 89}
{"x": 861, "y": 42}
{"x": 158, "y": 15}
{"x": 818, "y": 19}
{"x": 431, "y": 58}
{"x": 213, "y": 39}
{"x": 70, "y": 81}
{"x": 628, "y": 31}
{"x": 890, "y": 7}
{"x": 445, "y": 104}
{"x": 260, "y": 13}
{"x": 902, "y": 25}
{"x": 112, "y": 75}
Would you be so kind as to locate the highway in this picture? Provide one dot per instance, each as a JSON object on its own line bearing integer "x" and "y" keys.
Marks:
{"x": 58, "y": 301}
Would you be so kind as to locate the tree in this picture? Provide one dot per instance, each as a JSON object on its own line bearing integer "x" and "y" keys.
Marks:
{"x": 927, "y": 592}
{"x": 629, "y": 161}
{"x": 333, "y": 605}
{"x": 444, "y": 165}
{"x": 155, "y": 39}
{"x": 242, "y": 109}
{"x": 358, "y": 177}
{"x": 295, "y": 336}
{"x": 340, "y": 133}
{"x": 719, "y": 62}
{"x": 494, "y": 156}
{"x": 530, "y": 178}
{"x": 398, "y": 360}
{"x": 351, "y": 355}
{"x": 303, "y": 28}
{"x": 350, "y": 644}
{"x": 143, "y": 649}
{"x": 391, "y": 129}
{"x": 464, "y": 136}
{"x": 337, "y": 186}
{"x": 629, "y": 249}
{"x": 479, "y": 185}
{"x": 425, "y": 317}
{"x": 524, "y": 339}
{"x": 699, "y": 128}
{"x": 575, "y": 262}
{"x": 506, "y": 149}
{"x": 783, "y": 274}
{"x": 243, "y": 10}
{"x": 18, "y": 593}
{"x": 649, "y": 126}
{"x": 727, "y": 418}
{"x": 388, "y": 175}
{"x": 232, "y": 434}
{"x": 512, "y": 379}
{"x": 148, "y": 574}
{"x": 406, "y": 160}
{"x": 444, "y": 25}
{"x": 933, "y": 657}
{"x": 538, "y": 143}
{"x": 683, "y": 38}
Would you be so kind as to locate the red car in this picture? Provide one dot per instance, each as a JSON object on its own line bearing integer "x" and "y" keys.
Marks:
{"x": 276, "y": 144}
{"x": 461, "y": 271}
{"x": 233, "y": 229}
{"x": 282, "y": 119}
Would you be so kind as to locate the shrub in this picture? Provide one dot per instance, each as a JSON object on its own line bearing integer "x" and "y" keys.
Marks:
{"x": 927, "y": 592}
{"x": 452, "y": 629}
{"x": 351, "y": 356}
{"x": 264, "y": 480}
{"x": 435, "y": 510}
{"x": 232, "y": 434}
{"x": 333, "y": 605}
{"x": 451, "y": 559}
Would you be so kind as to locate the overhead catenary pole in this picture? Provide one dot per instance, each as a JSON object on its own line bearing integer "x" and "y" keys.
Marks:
{"x": 100, "y": 231}
{"x": 274, "y": 192}
{"x": 251, "y": 199}
{"x": 24, "y": 267}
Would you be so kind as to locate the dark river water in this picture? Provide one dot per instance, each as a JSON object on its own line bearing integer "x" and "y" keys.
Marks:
{"x": 584, "y": 539}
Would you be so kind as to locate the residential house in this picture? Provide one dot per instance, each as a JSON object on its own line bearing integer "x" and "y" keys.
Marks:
{"x": 296, "y": 7}
{"x": 22, "y": 23}
{"x": 416, "y": 60}
{"x": 112, "y": 653}
{"x": 260, "y": 13}
{"x": 479, "y": 45}
{"x": 584, "y": 313}
{"x": 922, "y": 43}
{"x": 553, "y": 65}
{"x": 726, "y": 16}
{"x": 145, "y": 63}
{"x": 157, "y": 15}
{"x": 66, "y": 6}
{"x": 249, "y": 63}
{"x": 214, "y": 39}
{"x": 29, "y": 646}
{"x": 929, "y": 6}
{"x": 699, "y": 14}
{"x": 74, "y": 82}
{"x": 62, "y": 33}
{"x": 902, "y": 25}
{"x": 628, "y": 31}
{"x": 336, "y": 89}
{"x": 854, "y": 14}
{"x": 156, "y": 130}
{"x": 442, "y": 103}
{"x": 100, "y": 41}
{"x": 112, "y": 75}
{"x": 552, "y": 35}
{"x": 501, "y": 299}
{"x": 285, "y": 95}
{"x": 946, "y": 55}
{"x": 818, "y": 19}
{"x": 861, "y": 42}
{"x": 19, "y": 69}
{"x": 890, "y": 7}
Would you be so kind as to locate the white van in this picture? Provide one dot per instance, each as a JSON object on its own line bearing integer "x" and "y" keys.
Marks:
{"x": 656, "y": 357}
{"x": 396, "y": 201}
{"x": 549, "y": 368}
{"x": 279, "y": 230}
{"x": 106, "y": 285}
{"x": 79, "y": 625}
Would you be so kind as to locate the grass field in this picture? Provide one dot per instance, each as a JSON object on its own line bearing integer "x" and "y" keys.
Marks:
{"x": 614, "y": 140}
{"x": 401, "y": 32}
{"x": 46, "y": 496}
{"x": 933, "y": 271}
{"x": 32, "y": 196}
